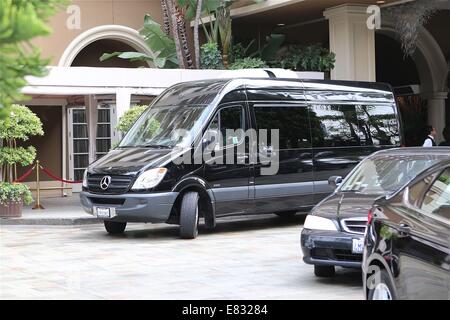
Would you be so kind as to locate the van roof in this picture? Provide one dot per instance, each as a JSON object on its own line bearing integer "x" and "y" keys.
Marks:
{"x": 319, "y": 84}
{"x": 205, "y": 91}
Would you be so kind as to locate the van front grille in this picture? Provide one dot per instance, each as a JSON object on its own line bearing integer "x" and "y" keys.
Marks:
{"x": 107, "y": 201}
{"x": 119, "y": 184}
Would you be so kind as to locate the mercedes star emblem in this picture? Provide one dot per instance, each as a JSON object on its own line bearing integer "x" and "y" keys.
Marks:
{"x": 105, "y": 182}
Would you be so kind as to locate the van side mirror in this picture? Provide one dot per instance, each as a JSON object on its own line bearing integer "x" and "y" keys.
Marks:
{"x": 335, "y": 181}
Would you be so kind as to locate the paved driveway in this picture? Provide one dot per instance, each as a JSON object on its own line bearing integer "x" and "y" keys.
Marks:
{"x": 244, "y": 258}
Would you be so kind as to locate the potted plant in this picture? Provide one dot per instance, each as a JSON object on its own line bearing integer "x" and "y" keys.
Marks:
{"x": 20, "y": 124}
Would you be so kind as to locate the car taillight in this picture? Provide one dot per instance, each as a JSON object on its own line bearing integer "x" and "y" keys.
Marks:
{"x": 370, "y": 216}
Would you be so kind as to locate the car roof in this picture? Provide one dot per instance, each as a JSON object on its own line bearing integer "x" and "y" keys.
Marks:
{"x": 412, "y": 151}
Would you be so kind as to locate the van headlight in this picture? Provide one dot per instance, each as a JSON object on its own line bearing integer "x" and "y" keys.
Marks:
{"x": 85, "y": 182}
{"x": 319, "y": 223}
{"x": 149, "y": 179}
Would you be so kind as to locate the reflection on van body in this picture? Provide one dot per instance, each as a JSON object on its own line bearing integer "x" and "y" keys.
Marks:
{"x": 324, "y": 129}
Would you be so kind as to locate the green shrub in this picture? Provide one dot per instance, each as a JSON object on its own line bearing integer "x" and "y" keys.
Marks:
{"x": 307, "y": 58}
{"x": 20, "y": 124}
{"x": 14, "y": 192}
{"x": 129, "y": 118}
{"x": 248, "y": 63}
{"x": 210, "y": 56}
{"x": 238, "y": 51}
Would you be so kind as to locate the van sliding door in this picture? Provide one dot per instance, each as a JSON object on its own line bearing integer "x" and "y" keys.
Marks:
{"x": 289, "y": 184}
{"x": 336, "y": 138}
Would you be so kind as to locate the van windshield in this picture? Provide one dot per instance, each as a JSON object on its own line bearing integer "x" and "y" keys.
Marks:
{"x": 164, "y": 127}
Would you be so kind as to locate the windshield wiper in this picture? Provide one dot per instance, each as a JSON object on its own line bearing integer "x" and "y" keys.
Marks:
{"x": 158, "y": 146}
{"x": 351, "y": 191}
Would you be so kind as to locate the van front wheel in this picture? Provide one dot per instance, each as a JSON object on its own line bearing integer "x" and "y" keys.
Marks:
{"x": 189, "y": 216}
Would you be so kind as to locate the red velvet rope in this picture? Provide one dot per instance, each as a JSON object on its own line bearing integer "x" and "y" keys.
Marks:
{"x": 25, "y": 175}
{"x": 51, "y": 175}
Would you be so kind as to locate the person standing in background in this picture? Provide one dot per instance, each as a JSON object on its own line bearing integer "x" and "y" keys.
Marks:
{"x": 446, "y": 134}
{"x": 429, "y": 141}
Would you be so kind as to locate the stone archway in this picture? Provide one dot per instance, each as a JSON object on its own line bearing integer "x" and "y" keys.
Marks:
{"x": 124, "y": 34}
{"x": 433, "y": 71}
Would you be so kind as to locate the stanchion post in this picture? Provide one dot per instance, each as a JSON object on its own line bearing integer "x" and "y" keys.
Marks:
{"x": 38, "y": 205}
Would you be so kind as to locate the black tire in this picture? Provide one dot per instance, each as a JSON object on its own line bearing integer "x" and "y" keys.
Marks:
{"x": 189, "y": 215}
{"x": 385, "y": 281}
{"x": 114, "y": 227}
{"x": 286, "y": 214}
{"x": 324, "y": 271}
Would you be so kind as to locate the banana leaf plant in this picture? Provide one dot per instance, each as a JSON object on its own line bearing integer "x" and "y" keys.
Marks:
{"x": 161, "y": 44}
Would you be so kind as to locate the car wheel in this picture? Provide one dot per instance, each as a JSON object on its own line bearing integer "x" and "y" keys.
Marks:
{"x": 189, "y": 216}
{"x": 384, "y": 290}
{"x": 114, "y": 227}
{"x": 324, "y": 271}
{"x": 286, "y": 214}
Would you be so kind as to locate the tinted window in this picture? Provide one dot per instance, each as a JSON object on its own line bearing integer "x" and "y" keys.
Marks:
{"x": 417, "y": 190}
{"x": 335, "y": 126}
{"x": 228, "y": 118}
{"x": 385, "y": 174}
{"x": 437, "y": 198}
{"x": 291, "y": 121}
{"x": 378, "y": 125}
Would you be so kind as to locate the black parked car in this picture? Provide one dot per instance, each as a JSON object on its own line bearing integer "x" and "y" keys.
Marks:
{"x": 407, "y": 245}
{"x": 325, "y": 128}
{"x": 333, "y": 232}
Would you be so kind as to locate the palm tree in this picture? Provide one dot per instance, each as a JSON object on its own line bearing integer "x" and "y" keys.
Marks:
{"x": 171, "y": 10}
{"x": 166, "y": 21}
{"x": 198, "y": 14}
{"x": 181, "y": 29}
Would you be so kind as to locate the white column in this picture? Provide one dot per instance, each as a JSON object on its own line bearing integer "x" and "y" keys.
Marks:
{"x": 123, "y": 101}
{"x": 352, "y": 42}
{"x": 436, "y": 111}
{"x": 91, "y": 119}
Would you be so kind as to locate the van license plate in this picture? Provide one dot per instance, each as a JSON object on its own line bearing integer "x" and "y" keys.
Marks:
{"x": 103, "y": 213}
{"x": 357, "y": 245}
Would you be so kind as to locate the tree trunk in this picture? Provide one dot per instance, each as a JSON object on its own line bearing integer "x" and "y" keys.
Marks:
{"x": 198, "y": 16}
{"x": 224, "y": 21}
{"x": 181, "y": 26}
{"x": 173, "y": 26}
{"x": 166, "y": 20}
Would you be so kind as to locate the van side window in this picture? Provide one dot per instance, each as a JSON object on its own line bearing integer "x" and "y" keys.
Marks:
{"x": 335, "y": 126}
{"x": 379, "y": 125}
{"x": 292, "y": 122}
{"x": 228, "y": 118}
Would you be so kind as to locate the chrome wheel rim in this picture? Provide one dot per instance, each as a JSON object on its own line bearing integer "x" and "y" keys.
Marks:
{"x": 382, "y": 292}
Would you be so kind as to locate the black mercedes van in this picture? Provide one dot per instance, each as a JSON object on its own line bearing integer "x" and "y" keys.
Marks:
{"x": 301, "y": 133}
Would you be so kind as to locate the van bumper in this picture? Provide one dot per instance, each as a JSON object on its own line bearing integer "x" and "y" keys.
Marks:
{"x": 151, "y": 207}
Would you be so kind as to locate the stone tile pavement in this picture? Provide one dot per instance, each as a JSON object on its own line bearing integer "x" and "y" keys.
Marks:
{"x": 57, "y": 211}
{"x": 244, "y": 258}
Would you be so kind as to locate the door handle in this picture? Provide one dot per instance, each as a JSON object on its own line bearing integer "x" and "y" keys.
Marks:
{"x": 242, "y": 158}
{"x": 404, "y": 229}
{"x": 267, "y": 150}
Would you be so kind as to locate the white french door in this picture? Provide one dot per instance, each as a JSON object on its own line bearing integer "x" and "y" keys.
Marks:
{"x": 79, "y": 138}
